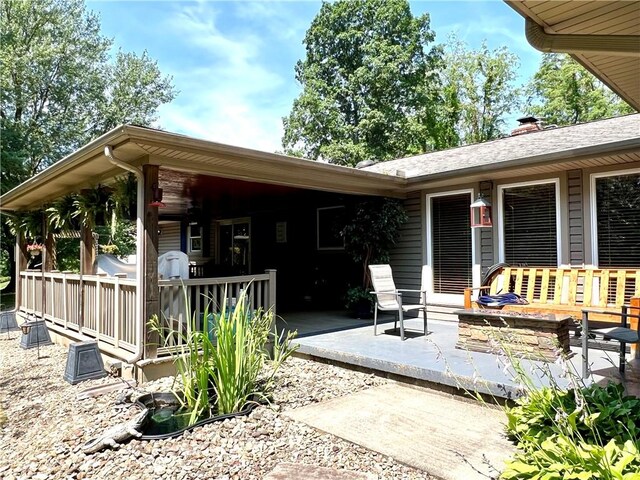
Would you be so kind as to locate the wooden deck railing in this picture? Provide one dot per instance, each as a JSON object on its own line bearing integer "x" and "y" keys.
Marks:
{"x": 209, "y": 294}
{"x": 107, "y": 312}
{"x": 104, "y": 308}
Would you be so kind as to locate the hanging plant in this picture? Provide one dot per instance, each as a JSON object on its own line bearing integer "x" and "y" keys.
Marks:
{"x": 28, "y": 223}
{"x": 124, "y": 197}
{"x": 63, "y": 214}
{"x": 94, "y": 206}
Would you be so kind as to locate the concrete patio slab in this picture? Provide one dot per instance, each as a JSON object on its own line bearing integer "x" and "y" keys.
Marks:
{"x": 436, "y": 361}
{"x": 296, "y": 471}
{"x": 440, "y": 434}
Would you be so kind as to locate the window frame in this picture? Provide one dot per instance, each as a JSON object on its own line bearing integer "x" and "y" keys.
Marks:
{"x": 593, "y": 212}
{"x": 320, "y": 248}
{"x": 475, "y": 264}
{"x": 500, "y": 215}
{"x": 191, "y": 238}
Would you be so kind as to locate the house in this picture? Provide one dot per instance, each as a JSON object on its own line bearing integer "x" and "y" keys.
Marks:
{"x": 249, "y": 219}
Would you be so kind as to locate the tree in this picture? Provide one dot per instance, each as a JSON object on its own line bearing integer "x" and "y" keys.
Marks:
{"x": 562, "y": 92}
{"x": 477, "y": 93}
{"x": 58, "y": 89}
{"x": 366, "y": 84}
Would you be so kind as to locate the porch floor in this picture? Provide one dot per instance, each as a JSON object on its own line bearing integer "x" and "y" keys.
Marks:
{"x": 336, "y": 337}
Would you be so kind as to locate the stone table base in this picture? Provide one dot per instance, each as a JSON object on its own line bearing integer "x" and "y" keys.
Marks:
{"x": 529, "y": 335}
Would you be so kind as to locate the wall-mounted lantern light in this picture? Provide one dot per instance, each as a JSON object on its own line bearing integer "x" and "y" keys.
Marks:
{"x": 157, "y": 197}
{"x": 481, "y": 213}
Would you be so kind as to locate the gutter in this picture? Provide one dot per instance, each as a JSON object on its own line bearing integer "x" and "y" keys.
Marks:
{"x": 617, "y": 45}
{"x": 108, "y": 152}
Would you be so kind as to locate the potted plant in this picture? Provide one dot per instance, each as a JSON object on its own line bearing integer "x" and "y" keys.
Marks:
{"x": 35, "y": 249}
{"x": 359, "y": 301}
{"x": 372, "y": 228}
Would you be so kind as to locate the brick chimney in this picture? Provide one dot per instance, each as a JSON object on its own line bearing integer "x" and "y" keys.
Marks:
{"x": 527, "y": 125}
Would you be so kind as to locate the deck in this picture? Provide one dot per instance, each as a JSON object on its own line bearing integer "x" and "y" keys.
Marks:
{"x": 434, "y": 360}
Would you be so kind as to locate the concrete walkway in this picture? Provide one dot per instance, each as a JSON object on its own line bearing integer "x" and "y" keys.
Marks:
{"x": 442, "y": 435}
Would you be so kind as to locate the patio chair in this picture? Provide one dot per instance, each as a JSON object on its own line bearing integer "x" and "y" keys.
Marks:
{"x": 389, "y": 298}
{"x": 621, "y": 333}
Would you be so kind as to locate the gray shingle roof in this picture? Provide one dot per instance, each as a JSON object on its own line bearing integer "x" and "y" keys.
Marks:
{"x": 528, "y": 148}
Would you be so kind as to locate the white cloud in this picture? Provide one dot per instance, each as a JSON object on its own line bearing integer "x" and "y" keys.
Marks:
{"x": 233, "y": 95}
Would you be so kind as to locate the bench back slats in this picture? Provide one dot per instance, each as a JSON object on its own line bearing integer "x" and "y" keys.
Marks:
{"x": 544, "y": 285}
{"x": 588, "y": 287}
{"x": 572, "y": 287}
{"x": 604, "y": 288}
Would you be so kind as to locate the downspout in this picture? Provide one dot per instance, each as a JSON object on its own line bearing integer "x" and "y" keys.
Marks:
{"x": 108, "y": 151}
{"x": 617, "y": 45}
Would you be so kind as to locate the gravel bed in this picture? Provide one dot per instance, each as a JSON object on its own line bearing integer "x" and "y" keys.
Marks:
{"x": 43, "y": 427}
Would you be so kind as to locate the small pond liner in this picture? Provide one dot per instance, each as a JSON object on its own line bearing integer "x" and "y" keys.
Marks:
{"x": 153, "y": 401}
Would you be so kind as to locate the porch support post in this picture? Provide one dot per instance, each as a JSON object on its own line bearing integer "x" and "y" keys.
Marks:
{"x": 87, "y": 251}
{"x": 272, "y": 291}
{"x": 50, "y": 249}
{"x": 150, "y": 256}
{"x": 21, "y": 265}
{"x": 86, "y": 267}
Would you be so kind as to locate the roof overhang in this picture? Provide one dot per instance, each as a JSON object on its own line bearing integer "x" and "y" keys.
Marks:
{"x": 604, "y": 36}
{"x": 88, "y": 166}
{"x": 614, "y": 153}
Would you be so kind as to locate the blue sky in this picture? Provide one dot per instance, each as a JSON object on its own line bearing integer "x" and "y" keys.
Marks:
{"x": 233, "y": 61}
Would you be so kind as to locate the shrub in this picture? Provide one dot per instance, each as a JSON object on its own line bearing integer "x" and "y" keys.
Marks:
{"x": 219, "y": 368}
{"x": 240, "y": 355}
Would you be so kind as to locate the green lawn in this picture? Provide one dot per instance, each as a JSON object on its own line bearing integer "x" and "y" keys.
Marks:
{"x": 7, "y": 299}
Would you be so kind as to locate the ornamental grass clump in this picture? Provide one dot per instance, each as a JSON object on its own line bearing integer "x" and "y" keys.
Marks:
{"x": 191, "y": 351}
{"x": 223, "y": 367}
{"x": 242, "y": 337}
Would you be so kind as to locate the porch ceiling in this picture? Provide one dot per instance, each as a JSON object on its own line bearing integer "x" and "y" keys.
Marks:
{"x": 89, "y": 166}
{"x": 604, "y": 36}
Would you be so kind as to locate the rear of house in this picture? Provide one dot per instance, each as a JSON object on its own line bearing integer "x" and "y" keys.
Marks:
{"x": 565, "y": 196}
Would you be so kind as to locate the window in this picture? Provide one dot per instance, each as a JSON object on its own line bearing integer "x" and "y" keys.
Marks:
{"x": 530, "y": 231}
{"x": 617, "y": 210}
{"x": 451, "y": 249}
{"x": 235, "y": 246}
{"x": 330, "y": 221}
{"x": 195, "y": 238}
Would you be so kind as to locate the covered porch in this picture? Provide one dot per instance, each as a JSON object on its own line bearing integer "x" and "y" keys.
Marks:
{"x": 243, "y": 218}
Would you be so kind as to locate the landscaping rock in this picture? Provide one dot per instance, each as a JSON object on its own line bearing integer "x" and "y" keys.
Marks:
{"x": 46, "y": 427}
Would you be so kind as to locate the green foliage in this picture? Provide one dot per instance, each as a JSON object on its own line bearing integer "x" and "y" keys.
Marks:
{"x": 356, "y": 295}
{"x": 371, "y": 228}
{"x": 59, "y": 89}
{"x": 367, "y": 80}
{"x": 63, "y": 213}
{"x": 591, "y": 414}
{"x": 192, "y": 352}
{"x": 560, "y": 457}
{"x": 125, "y": 196}
{"x": 562, "y": 92}
{"x": 240, "y": 355}
{"x": 231, "y": 363}
{"x": 477, "y": 93}
{"x": 94, "y": 206}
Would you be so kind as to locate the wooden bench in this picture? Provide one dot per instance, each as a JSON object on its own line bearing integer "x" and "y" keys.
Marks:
{"x": 564, "y": 290}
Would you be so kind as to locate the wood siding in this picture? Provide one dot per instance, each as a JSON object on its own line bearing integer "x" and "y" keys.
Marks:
{"x": 169, "y": 237}
{"x": 407, "y": 255}
{"x": 486, "y": 234}
{"x": 576, "y": 220}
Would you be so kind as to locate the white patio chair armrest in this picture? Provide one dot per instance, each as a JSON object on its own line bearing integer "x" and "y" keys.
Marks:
{"x": 397, "y": 294}
{"x": 413, "y": 291}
